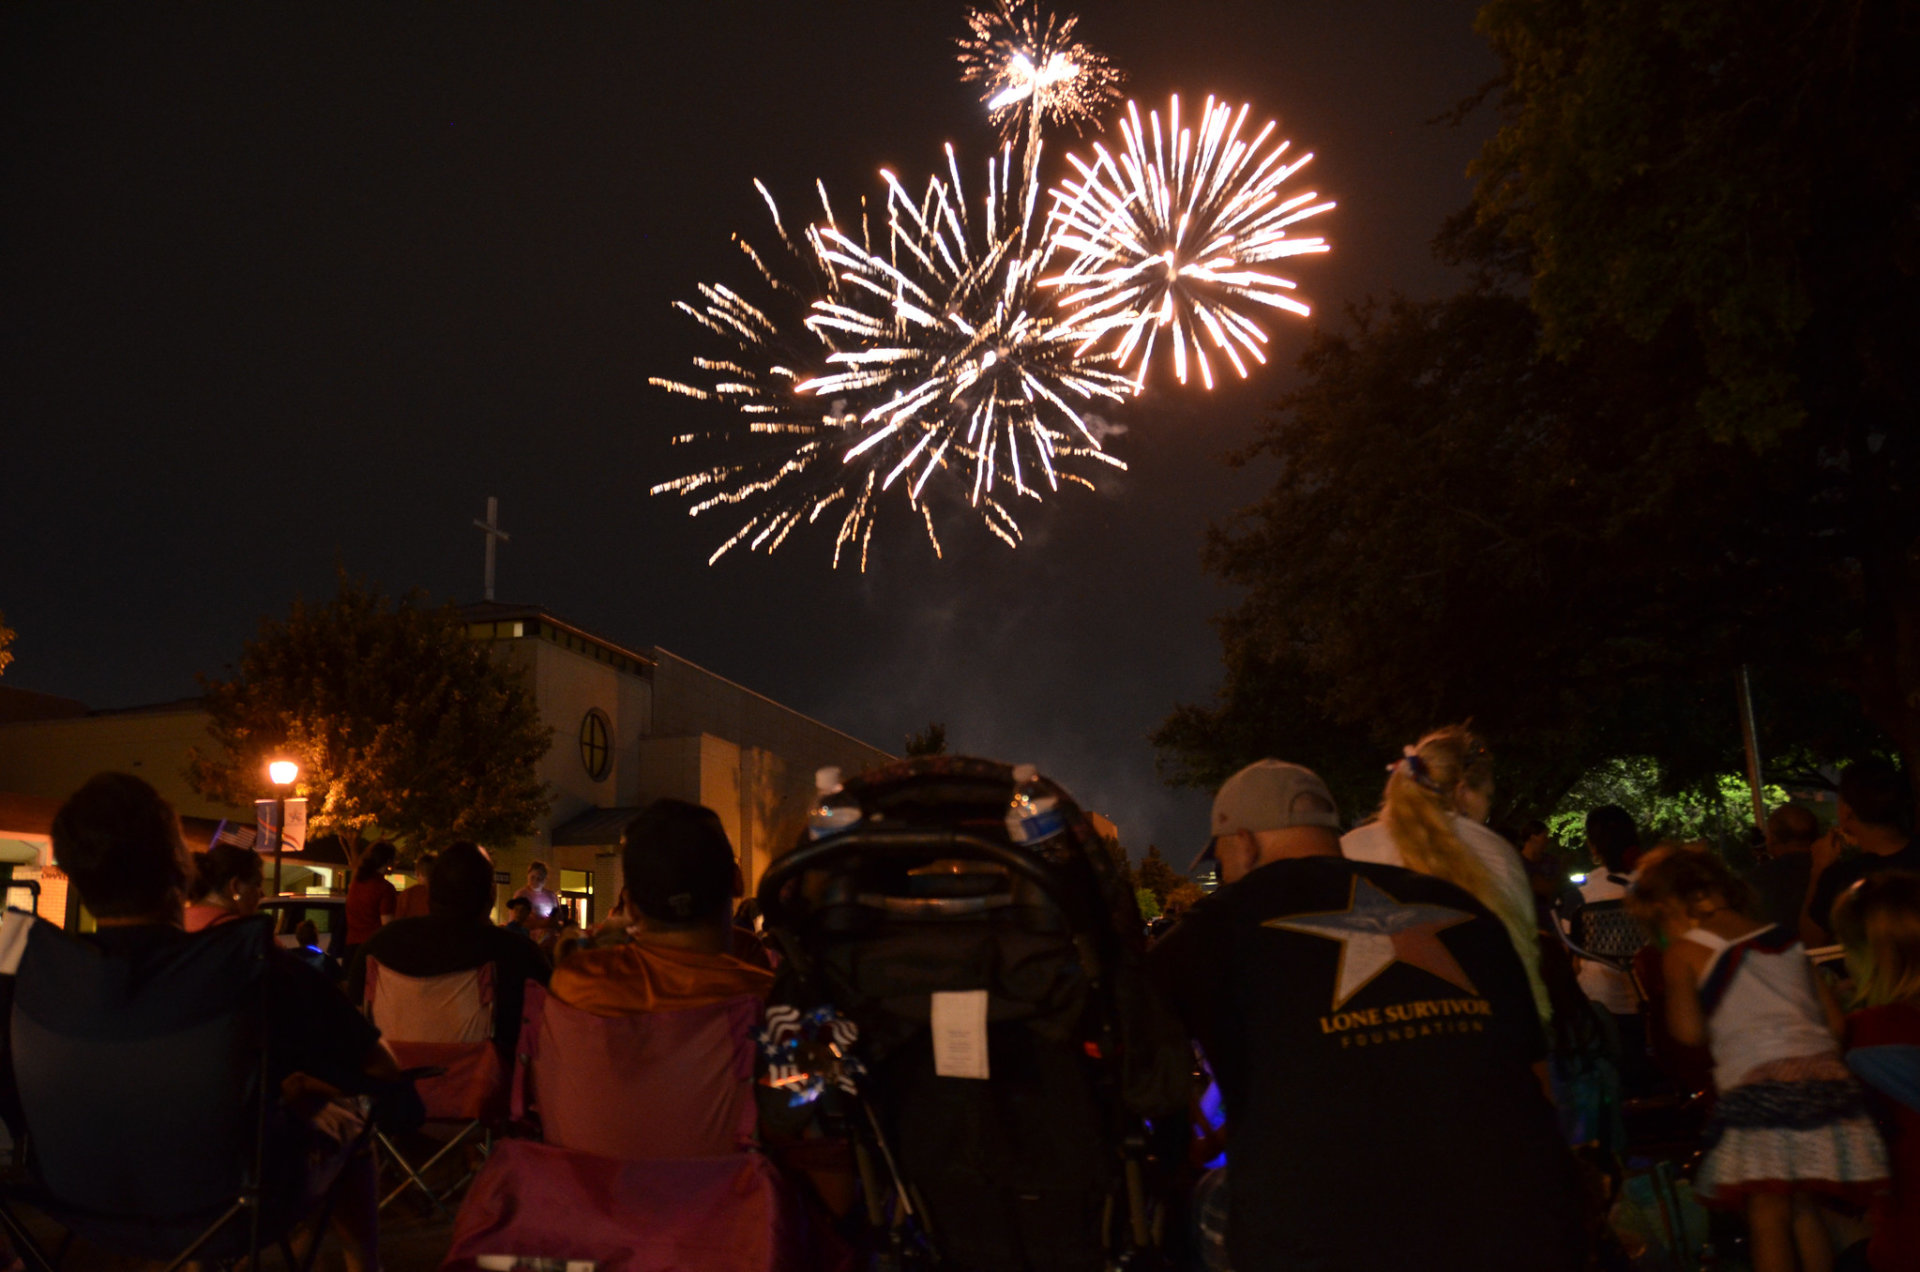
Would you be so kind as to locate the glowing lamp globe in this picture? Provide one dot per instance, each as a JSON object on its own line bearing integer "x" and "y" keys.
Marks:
{"x": 283, "y": 772}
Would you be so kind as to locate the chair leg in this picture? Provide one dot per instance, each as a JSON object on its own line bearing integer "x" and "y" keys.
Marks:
{"x": 26, "y": 1247}
{"x": 213, "y": 1230}
{"x": 415, "y": 1174}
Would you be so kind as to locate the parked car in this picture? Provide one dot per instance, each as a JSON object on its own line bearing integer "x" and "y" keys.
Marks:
{"x": 328, "y": 914}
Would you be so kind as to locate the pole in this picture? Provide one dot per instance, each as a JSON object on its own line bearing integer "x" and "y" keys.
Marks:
{"x": 279, "y": 834}
{"x": 1751, "y": 737}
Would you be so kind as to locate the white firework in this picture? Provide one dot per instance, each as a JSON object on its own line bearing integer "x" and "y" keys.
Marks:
{"x": 1176, "y": 234}
{"x": 981, "y": 372}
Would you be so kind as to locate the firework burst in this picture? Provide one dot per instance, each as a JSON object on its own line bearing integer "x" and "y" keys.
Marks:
{"x": 1176, "y": 232}
{"x": 979, "y": 372}
{"x": 781, "y": 448}
{"x": 1030, "y": 69}
{"x": 929, "y": 360}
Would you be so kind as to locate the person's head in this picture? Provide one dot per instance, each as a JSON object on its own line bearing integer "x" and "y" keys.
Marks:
{"x": 1681, "y": 885}
{"x": 228, "y": 877}
{"x": 519, "y": 910}
{"x": 1874, "y": 801}
{"x": 1450, "y": 767}
{"x": 1270, "y": 811}
{"x": 376, "y": 863}
{"x": 462, "y": 883}
{"x": 537, "y": 875}
{"x": 1447, "y": 772}
{"x": 679, "y": 868}
{"x": 1878, "y": 921}
{"x": 119, "y": 843}
{"x": 1612, "y": 836}
{"x": 423, "y": 866}
{"x": 1791, "y": 829}
{"x": 307, "y": 934}
{"x": 1533, "y": 840}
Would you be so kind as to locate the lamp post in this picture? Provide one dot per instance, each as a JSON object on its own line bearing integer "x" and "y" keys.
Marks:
{"x": 283, "y": 774}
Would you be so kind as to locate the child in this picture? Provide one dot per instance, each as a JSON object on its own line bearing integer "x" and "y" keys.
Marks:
{"x": 1790, "y": 1122}
{"x": 1878, "y": 920}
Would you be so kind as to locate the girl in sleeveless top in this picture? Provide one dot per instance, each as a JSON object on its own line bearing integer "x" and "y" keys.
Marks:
{"x": 1790, "y": 1124}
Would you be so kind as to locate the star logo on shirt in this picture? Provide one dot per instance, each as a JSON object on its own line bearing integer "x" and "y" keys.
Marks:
{"x": 1375, "y": 932}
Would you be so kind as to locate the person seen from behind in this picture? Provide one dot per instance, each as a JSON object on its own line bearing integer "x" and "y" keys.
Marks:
{"x": 119, "y": 843}
{"x": 415, "y": 902}
{"x": 1876, "y": 815}
{"x": 306, "y": 948}
{"x": 1433, "y": 820}
{"x": 1614, "y": 841}
{"x": 1790, "y": 1124}
{"x": 458, "y": 935}
{"x": 547, "y": 917}
{"x": 227, "y": 885}
{"x": 1780, "y": 880}
{"x": 371, "y": 900}
{"x": 1377, "y": 1049}
{"x": 1878, "y": 921}
{"x": 679, "y": 870}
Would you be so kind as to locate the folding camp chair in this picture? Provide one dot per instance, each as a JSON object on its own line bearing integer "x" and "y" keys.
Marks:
{"x": 441, "y": 1027}
{"x": 649, "y": 1162}
{"x": 148, "y": 1104}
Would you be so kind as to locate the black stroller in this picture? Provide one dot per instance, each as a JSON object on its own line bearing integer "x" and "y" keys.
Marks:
{"x": 924, "y": 918}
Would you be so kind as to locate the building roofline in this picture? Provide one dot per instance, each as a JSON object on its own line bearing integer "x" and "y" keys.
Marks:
{"x": 755, "y": 693}
{"x": 501, "y": 612}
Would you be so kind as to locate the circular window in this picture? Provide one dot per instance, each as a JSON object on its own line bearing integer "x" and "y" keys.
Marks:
{"x": 594, "y": 751}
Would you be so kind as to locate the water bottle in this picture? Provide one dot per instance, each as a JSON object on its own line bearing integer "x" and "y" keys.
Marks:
{"x": 1033, "y": 816}
{"x": 833, "y": 809}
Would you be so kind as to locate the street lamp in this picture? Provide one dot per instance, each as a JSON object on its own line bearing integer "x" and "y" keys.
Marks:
{"x": 283, "y": 774}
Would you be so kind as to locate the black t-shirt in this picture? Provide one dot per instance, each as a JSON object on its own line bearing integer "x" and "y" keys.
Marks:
{"x": 1373, "y": 1034}
{"x": 436, "y": 944}
{"x": 1847, "y": 871}
{"x": 1781, "y": 884}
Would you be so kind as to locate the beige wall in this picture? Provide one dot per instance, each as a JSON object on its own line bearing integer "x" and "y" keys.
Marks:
{"x": 54, "y": 758}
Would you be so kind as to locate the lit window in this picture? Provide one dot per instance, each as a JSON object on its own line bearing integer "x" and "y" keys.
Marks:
{"x": 595, "y": 754}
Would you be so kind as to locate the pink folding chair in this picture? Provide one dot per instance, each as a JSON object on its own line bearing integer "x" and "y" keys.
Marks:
{"x": 445, "y": 1024}
{"x": 649, "y": 1162}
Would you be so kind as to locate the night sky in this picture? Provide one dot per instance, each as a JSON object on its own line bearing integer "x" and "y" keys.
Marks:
{"x": 284, "y": 288}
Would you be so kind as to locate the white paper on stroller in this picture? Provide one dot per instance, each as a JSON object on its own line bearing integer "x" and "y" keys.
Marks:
{"x": 960, "y": 1034}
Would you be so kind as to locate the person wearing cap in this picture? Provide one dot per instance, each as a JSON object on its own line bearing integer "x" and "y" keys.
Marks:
{"x": 680, "y": 883}
{"x": 455, "y": 935}
{"x": 1377, "y": 1050}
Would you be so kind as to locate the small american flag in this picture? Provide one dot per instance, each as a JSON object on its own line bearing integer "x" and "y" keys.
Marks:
{"x": 240, "y": 835}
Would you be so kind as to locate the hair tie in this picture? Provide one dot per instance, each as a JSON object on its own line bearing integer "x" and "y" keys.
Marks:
{"x": 1414, "y": 767}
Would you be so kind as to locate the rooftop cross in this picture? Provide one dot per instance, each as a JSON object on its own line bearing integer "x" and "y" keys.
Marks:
{"x": 495, "y": 535}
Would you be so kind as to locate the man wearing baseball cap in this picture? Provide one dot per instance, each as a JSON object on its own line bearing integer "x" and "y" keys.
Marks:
{"x": 680, "y": 878}
{"x": 1376, "y": 1047}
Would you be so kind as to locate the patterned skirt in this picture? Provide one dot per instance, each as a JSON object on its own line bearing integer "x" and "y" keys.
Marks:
{"x": 1793, "y": 1126}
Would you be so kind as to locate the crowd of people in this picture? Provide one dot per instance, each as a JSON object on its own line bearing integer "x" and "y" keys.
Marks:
{"x": 1414, "y": 1055}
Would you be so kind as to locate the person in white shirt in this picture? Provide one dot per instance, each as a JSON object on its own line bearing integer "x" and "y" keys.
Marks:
{"x": 1433, "y": 820}
{"x": 1614, "y": 841}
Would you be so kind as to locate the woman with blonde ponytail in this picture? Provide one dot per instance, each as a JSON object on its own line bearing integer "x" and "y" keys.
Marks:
{"x": 1433, "y": 820}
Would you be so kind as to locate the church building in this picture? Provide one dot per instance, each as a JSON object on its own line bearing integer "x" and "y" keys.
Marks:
{"x": 629, "y": 726}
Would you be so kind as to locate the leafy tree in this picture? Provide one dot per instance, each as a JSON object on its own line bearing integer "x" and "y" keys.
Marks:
{"x": 1157, "y": 877}
{"x": 1741, "y": 176}
{"x": 1148, "y": 902}
{"x": 1183, "y": 896}
{"x": 1464, "y": 528}
{"x": 931, "y": 741}
{"x": 6, "y": 639}
{"x": 397, "y": 720}
{"x": 1669, "y": 430}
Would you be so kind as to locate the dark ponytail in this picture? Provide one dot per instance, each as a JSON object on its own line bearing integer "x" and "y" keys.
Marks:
{"x": 221, "y": 865}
